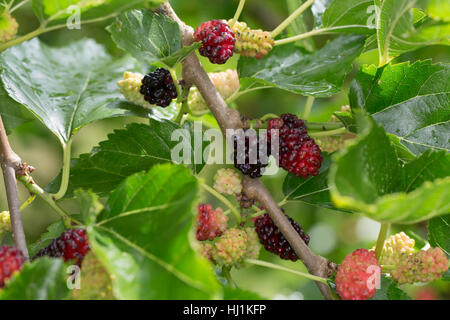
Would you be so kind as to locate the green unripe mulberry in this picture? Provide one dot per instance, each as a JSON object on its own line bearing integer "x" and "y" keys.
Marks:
{"x": 231, "y": 248}
{"x": 251, "y": 43}
{"x": 8, "y": 27}
{"x": 5, "y": 222}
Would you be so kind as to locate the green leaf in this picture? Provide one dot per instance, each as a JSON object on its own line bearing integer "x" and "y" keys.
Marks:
{"x": 390, "y": 291}
{"x": 439, "y": 233}
{"x": 428, "y": 167}
{"x": 397, "y": 34}
{"x": 150, "y": 37}
{"x": 143, "y": 238}
{"x": 44, "y": 279}
{"x": 288, "y": 67}
{"x": 137, "y": 148}
{"x": 418, "y": 94}
{"x": 367, "y": 177}
{"x": 313, "y": 190}
{"x": 353, "y": 16}
{"x": 53, "y": 231}
{"x": 403, "y": 152}
{"x": 57, "y": 10}
{"x": 12, "y": 112}
{"x": 65, "y": 87}
{"x": 240, "y": 294}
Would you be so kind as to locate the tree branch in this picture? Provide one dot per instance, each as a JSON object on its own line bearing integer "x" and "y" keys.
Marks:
{"x": 194, "y": 74}
{"x": 10, "y": 162}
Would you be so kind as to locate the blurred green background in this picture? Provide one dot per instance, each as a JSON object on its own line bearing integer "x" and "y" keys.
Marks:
{"x": 333, "y": 234}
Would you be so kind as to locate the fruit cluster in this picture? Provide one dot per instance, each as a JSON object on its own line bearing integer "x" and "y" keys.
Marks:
{"x": 396, "y": 246}
{"x": 158, "y": 88}
{"x": 210, "y": 223}
{"x": 227, "y": 181}
{"x": 232, "y": 248}
{"x": 298, "y": 153}
{"x": 422, "y": 266}
{"x": 71, "y": 245}
{"x": 11, "y": 261}
{"x": 251, "y": 43}
{"x": 130, "y": 87}
{"x": 273, "y": 240}
{"x": 217, "y": 41}
{"x": 356, "y": 276}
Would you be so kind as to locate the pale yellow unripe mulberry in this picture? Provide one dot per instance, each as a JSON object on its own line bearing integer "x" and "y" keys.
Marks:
{"x": 8, "y": 27}
{"x": 130, "y": 87}
{"x": 5, "y": 222}
{"x": 251, "y": 43}
{"x": 227, "y": 181}
{"x": 394, "y": 247}
{"x": 226, "y": 83}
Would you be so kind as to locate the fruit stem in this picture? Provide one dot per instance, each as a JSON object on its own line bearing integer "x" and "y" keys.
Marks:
{"x": 260, "y": 212}
{"x": 224, "y": 200}
{"x": 238, "y": 93}
{"x": 305, "y": 35}
{"x": 384, "y": 229}
{"x": 67, "y": 152}
{"x": 34, "y": 188}
{"x": 227, "y": 273}
{"x": 283, "y": 25}
{"x": 323, "y": 126}
{"x": 184, "y": 104}
{"x": 268, "y": 116}
{"x": 238, "y": 13}
{"x": 17, "y": 6}
{"x": 28, "y": 202}
{"x": 328, "y": 133}
{"x": 308, "y": 106}
{"x": 277, "y": 267}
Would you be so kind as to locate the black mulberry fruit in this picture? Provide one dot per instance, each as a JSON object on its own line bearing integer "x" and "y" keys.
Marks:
{"x": 158, "y": 88}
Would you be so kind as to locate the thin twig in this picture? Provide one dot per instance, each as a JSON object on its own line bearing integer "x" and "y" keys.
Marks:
{"x": 278, "y": 267}
{"x": 34, "y": 188}
{"x": 195, "y": 74}
{"x": 291, "y": 18}
{"x": 238, "y": 13}
{"x": 224, "y": 200}
{"x": 10, "y": 162}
